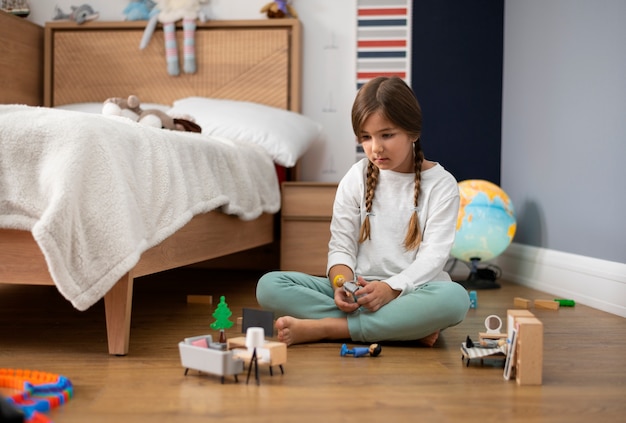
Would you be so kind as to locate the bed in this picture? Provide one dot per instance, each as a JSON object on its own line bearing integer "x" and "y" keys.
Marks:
{"x": 253, "y": 62}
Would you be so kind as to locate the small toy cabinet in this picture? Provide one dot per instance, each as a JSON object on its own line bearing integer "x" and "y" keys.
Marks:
{"x": 529, "y": 351}
{"x": 307, "y": 208}
{"x": 528, "y": 355}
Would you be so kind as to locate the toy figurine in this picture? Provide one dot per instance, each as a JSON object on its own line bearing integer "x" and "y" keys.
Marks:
{"x": 373, "y": 350}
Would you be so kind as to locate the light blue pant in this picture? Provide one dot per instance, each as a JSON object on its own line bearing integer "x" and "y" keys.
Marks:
{"x": 433, "y": 306}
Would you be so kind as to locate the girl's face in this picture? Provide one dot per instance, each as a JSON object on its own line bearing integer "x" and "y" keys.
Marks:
{"x": 388, "y": 147}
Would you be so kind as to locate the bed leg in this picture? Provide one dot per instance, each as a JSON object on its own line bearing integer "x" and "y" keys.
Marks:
{"x": 117, "y": 305}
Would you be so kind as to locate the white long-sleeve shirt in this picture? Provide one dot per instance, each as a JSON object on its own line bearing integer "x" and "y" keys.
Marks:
{"x": 384, "y": 257}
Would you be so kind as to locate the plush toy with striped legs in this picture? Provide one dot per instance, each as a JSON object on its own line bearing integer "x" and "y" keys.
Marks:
{"x": 170, "y": 12}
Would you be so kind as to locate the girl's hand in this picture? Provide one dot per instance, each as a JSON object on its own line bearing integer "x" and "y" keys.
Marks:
{"x": 345, "y": 301}
{"x": 375, "y": 294}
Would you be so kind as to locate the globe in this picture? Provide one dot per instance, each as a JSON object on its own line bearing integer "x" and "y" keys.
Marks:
{"x": 486, "y": 223}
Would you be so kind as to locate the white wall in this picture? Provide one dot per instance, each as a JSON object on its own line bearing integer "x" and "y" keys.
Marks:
{"x": 329, "y": 32}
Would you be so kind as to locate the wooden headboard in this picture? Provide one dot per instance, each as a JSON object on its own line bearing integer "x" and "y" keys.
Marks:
{"x": 21, "y": 61}
{"x": 251, "y": 60}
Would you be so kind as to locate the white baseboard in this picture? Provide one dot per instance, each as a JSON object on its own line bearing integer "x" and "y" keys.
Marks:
{"x": 593, "y": 282}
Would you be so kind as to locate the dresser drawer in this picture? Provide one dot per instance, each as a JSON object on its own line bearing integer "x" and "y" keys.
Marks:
{"x": 304, "y": 246}
{"x": 307, "y": 209}
{"x": 308, "y": 199}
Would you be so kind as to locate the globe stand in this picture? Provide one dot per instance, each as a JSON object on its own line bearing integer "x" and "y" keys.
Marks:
{"x": 480, "y": 278}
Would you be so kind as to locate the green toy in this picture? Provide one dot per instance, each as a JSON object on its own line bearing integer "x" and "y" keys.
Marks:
{"x": 222, "y": 314}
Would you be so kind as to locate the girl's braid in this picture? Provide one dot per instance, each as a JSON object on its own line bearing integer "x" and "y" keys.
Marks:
{"x": 414, "y": 235}
{"x": 370, "y": 188}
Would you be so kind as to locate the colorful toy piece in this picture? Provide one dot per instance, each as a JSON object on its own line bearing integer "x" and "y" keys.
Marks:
{"x": 39, "y": 392}
{"x": 473, "y": 296}
{"x": 373, "y": 350}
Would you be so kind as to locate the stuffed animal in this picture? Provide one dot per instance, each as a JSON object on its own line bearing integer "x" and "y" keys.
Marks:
{"x": 139, "y": 10}
{"x": 169, "y": 12}
{"x": 126, "y": 107}
{"x": 279, "y": 9}
{"x": 79, "y": 14}
{"x": 131, "y": 108}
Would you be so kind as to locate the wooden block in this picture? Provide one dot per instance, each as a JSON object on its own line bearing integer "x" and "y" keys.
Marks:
{"x": 519, "y": 302}
{"x": 529, "y": 351}
{"x": 514, "y": 314}
{"x": 547, "y": 304}
{"x": 200, "y": 299}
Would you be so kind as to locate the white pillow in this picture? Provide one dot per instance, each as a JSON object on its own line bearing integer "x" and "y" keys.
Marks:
{"x": 285, "y": 135}
{"x": 97, "y": 107}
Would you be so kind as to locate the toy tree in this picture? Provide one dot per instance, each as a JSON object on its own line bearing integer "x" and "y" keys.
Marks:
{"x": 222, "y": 314}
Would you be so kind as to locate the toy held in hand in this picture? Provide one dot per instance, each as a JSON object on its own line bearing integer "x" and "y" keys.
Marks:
{"x": 131, "y": 108}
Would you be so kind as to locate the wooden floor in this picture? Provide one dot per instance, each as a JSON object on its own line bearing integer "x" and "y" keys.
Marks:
{"x": 584, "y": 372}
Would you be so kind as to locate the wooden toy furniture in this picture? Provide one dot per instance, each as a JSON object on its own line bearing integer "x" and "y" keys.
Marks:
{"x": 529, "y": 351}
{"x": 273, "y": 353}
{"x": 512, "y": 315}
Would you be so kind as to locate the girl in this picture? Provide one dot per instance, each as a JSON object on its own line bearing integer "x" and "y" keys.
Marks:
{"x": 393, "y": 225}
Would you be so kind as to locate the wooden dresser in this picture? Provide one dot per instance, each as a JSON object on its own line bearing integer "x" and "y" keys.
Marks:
{"x": 307, "y": 208}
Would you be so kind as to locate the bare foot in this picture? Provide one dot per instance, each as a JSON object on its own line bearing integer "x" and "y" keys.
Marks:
{"x": 430, "y": 340}
{"x": 299, "y": 331}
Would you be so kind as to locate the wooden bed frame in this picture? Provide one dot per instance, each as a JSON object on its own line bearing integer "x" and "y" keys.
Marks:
{"x": 253, "y": 60}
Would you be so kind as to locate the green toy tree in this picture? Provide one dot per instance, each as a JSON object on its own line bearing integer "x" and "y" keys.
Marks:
{"x": 222, "y": 314}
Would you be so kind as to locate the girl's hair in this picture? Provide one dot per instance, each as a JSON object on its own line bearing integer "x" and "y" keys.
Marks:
{"x": 396, "y": 102}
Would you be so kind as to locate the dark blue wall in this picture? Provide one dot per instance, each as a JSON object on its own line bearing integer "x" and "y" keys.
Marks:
{"x": 457, "y": 77}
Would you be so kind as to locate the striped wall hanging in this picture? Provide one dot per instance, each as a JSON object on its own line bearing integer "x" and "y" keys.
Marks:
{"x": 383, "y": 39}
{"x": 383, "y": 42}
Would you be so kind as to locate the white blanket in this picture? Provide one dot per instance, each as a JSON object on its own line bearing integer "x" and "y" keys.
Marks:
{"x": 96, "y": 191}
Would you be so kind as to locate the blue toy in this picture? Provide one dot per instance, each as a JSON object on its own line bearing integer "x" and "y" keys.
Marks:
{"x": 473, "y": 296}
{"x": 372, "y": 351}
{"x": 139, "y": 10}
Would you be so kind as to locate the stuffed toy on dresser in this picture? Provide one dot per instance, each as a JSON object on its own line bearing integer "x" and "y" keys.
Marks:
{"x": 170, "y": 12}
